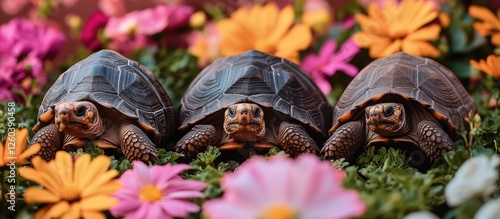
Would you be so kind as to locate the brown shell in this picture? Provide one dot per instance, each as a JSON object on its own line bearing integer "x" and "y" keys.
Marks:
{"x": 259, "y": 78}
{"x": 113, "y": 81}
{"x": 418, "y": 79}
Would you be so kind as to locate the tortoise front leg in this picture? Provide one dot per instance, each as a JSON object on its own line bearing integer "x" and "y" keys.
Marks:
{"x": 197, "y": 140}
{"x": 344, "y": 142}
{"x": 49, "y": 139}
{"x": 294, "y": 140}
{"x": 136, "y": 145}
{"x": 433, "y": 140}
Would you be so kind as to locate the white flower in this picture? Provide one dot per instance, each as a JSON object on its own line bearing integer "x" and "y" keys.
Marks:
{"x": 421, "y": 215}
{"x": 490, "y": 210}
{"x": 477, "y": 176}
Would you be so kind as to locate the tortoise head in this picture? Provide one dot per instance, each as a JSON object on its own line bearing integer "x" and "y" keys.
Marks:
{"x": 244, "y": 122}
{"x": 80, "y": 119}
{"x": 386, "y": 119}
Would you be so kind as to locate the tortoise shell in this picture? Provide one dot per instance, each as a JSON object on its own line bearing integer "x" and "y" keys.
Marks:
{"x": 256, "y": 77}
{"x": 428, "y": 83}
{"x": 108, "y": 79}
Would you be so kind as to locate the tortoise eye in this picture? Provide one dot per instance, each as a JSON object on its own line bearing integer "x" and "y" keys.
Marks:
{"x": 389, "y": 111}
{"x": 80, "y": 111}
{"x": 230, "y": 112}
{"x": 256, "y": 113}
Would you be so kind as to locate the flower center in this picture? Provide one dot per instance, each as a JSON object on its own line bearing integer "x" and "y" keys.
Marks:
{"x": 70, "y": 192}
{"x": 278, "y": 211}
{"x": 150, "y": 193}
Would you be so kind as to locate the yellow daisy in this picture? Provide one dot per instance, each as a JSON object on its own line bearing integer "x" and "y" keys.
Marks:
{"x": 264, "y": 28}
{"x": 490, "y": 66}
{"x": 71, "y": 189}
{"x": 398, "y": 27}
{"x": 490, "y": 24}
{"x": 14, "y": 148}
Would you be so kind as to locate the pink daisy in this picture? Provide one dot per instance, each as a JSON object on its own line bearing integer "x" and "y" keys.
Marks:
{"x": 327, "y": 62}
{"x": 285, "y": 188}
{"x": 156, "y": 192}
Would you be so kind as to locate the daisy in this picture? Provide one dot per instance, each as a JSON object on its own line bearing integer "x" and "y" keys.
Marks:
{"x": 156, "y": 192}
{"x": 71, "y": 189}
{"x": 285, "y": 188}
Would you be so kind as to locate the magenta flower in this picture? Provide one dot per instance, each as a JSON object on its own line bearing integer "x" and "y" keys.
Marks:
{"x": 20, "y": 37}
{"x": 24, "y": 46}
{"x": 156, "y": 192}
{"x": 90, "y": 31}
{"x": 136, "y": 25}
{"x": 149, "y": 21}
{"x": 285, "y": 188}
{"x": 327, "y": 62}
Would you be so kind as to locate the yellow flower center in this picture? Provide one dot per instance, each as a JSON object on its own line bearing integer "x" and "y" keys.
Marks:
{"x": 150, "y": 193}
{"x": 278, "y": 211}
{"x": 70, "y": 192}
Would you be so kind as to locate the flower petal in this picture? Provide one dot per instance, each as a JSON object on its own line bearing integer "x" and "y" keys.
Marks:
{"x": 34, "y": 195}
{"x": 98, "y": 203}
{"x": 99, "y": 181}
{"x": 57, "y": 210}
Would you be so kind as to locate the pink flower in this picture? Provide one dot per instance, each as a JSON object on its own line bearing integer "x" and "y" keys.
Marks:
{"x": 205, "y": 44}
{"x": 437, "y": 3}
{"x": 90, "y": 30}
{"x": 149, "y": 21}
{"x": 285, "y": 188}
{"x": 327, "y": 62}
{"x": 137, "y": 25}
{"x": 20, "y": 37}
{"x": 156, "y": 192}
{"x": 112, "y": 8}
{"x": 24, "y": 46}
{"x": 10, "y": 7}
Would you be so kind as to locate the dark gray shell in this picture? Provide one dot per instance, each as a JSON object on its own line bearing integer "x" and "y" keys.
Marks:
{"x": 113, "y": 81}
{"x": 418, "y": 79}
{"x": 259, "y": 78}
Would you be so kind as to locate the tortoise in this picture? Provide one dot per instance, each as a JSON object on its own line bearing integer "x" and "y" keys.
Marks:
{"x": 108, "y": 100}
{"x": 255, "y": 101}
{"x": 400, "y": 100}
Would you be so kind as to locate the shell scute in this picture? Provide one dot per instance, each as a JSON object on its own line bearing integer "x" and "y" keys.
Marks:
{"x": 417, "y": 79}
{"x": 113, "y": 81}
{"x": 259, "y": 78}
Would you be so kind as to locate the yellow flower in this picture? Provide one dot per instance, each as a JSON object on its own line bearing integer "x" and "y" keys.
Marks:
{"x": 14, "y": 148}
{"x": 490, "y": 25}
{"x": 71, "y": 189}
{"x": 491, "y": 66}
{"x": 318, "y": 19}
{"x": 264, "y": 28}
{"x": 399, "y": 27}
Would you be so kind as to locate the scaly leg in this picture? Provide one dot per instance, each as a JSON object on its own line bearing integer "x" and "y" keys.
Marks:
{"x": 344, "y": 142}
{"x": 197, "y": 140}
{"x": 433, "y": 140}
{"x": 294, "y": 140}
{"x": 49, "y": 139}
{"x": 136, "y": 145}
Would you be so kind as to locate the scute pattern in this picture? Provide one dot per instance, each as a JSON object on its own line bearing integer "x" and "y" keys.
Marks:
{"x": 259, "y": 78}
{"x": 114, "y": 81}
{"x": 423, "y": 80}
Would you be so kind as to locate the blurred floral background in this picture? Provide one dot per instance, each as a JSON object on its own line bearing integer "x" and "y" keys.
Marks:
{"x": 331, "y": 40}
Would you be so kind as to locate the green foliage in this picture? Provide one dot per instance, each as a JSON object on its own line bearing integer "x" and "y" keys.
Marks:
{"x": 205, "y": 168}
{"x": 392, "y": 188}
{"x": 488, "y": 133}
{"x": 175, "y": 69}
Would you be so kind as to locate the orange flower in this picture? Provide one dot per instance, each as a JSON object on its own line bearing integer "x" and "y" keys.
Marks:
{"x": 491, "y": 66}
{"x": 399, "y": 27}
{"x": 490, "y": 25}
{"x": 71, "y": 189}
{"x": 264, "y": 28}
{"x": 14, "y": 148}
